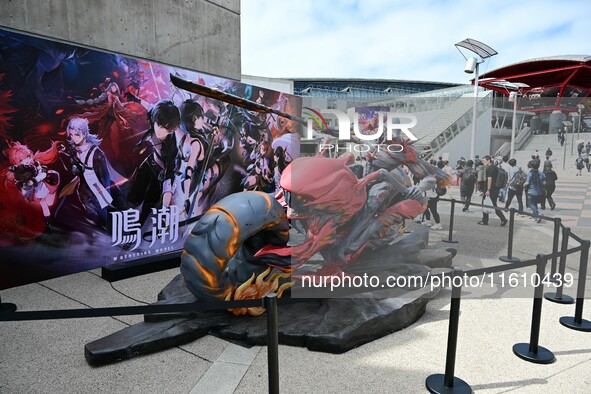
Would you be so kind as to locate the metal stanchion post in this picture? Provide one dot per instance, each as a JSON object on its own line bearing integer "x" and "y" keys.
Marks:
{"x": 577, "y": 322}
{"x": 557, "y": 222}
{"x": 531, "y": 351}
{"x": 451, "y": 224}
{"x": 448, "y": 383}
{"x": 509, "y": 258}
{"x": 558, "y": 297}
{"x": 272, "y": 343}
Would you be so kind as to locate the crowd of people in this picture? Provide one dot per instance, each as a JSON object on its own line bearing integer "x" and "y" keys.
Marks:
{"x": 583, "y": 158}
{"x": 497, "y": 182}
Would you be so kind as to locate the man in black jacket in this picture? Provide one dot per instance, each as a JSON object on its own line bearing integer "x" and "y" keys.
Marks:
{"x": 152, "y": 182}
{"x": 492, "y": 191}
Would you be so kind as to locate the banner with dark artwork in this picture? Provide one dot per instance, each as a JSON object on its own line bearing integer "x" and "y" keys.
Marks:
{"x": 106, "y": 161}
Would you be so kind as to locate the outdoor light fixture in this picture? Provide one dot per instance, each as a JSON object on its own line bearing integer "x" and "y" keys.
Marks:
{"x": 471, "y": 65}
{"x": 513, "y": 99}
{"x": 580, "y": 108}
{"x": 483, "y": 51}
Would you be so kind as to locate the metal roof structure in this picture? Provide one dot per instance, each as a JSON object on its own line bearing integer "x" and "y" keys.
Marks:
{"x": 549, "y": 83}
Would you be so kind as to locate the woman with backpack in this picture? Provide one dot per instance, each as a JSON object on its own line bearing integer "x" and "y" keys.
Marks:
{"x": 550, "y": 186}
{"x": 535, "y": 183}
{"x": 517, "y": 179}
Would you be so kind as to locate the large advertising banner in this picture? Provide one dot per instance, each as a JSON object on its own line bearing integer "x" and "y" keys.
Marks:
{"x": 106, "y": 161}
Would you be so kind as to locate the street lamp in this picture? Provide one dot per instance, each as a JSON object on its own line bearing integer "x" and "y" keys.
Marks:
{"x": 580, "y": 108}
{"x": 513, "y": 98}
{"x": 472, "y": 63}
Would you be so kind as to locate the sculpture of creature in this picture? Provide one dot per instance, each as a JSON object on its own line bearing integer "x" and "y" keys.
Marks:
{"x": 244, "y": 236}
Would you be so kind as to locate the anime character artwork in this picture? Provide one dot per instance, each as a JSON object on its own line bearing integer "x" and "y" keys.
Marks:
{"x": 115, "y": 117}
{"x": 95, "y": 180}
{"x": 29, "y": 188}
{"x": 106, "y": 161}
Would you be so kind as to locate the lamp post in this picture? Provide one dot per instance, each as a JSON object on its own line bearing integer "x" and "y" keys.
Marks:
{"x": 565, "y": 144}
{"x": 580, "y": 108}
{"x": 513, "y": 97}
{"x": 572, "y": 139}
{"x": 472, "y": 63}
{"x": 472, "y": 67}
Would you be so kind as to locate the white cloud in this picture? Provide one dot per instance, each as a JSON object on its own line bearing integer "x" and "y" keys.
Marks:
{"x": 402, "y": 39}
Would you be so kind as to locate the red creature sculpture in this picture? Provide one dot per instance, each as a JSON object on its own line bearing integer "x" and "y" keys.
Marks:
{"x": 342, "y": 215}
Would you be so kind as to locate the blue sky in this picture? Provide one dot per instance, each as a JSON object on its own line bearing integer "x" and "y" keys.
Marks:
{"x": 411, "y": 40}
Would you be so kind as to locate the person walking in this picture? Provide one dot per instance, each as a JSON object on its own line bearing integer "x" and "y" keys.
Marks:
{"x": 432, "y": 210}
{"x": 535, "y": 182}
{"x": 481, "y": 175}
{"x": 561, "y": 138}
{"x": 517, "y": 178}
{"x": 547, "y": 162}
{"x": 449, "y": 171}
{"x": 468, "y": 178}
{"x": 549, "y": 152}
{"x": 492, "y": 191}
{"x": 580, "y": 163}
{"x": 550, "y": 186}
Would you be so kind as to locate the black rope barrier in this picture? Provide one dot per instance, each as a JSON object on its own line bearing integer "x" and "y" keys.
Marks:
{"x": 532, "y": 351}
{"x": 448, "y": 383}
{"x": 577, "y": 238}
{"x": 128, "y": 310}
{"x": 558, "y": 297}
{"x": 577, "y": 322}
{"x": 269, "y": 302}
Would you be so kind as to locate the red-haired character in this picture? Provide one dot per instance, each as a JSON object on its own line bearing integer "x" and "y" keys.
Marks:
{"x": 28, "y": 173}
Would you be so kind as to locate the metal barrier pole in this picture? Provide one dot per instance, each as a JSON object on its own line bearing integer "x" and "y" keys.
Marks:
{"x": 272, "y": 343}
{"x": 7, "y": 306}
{"x": 557, "y": 222}
{"x": 448, "y": 383}
{"x": 558, "y": 297}
{"x": 449, "y": 239}
{"x": 509, "y": 258}
{"x": 531, "y": 351}
{"x": 577, "y": 322}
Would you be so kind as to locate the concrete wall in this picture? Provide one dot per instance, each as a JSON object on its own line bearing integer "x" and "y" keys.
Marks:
{"x": 195, "y": 34}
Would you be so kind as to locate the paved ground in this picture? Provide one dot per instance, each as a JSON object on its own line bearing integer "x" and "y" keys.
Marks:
{"x": 48, "y": 356}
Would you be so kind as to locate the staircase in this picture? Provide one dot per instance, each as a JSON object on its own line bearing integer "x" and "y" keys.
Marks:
{"x": 456, "y": 118}
{"x": 542, "y": 142}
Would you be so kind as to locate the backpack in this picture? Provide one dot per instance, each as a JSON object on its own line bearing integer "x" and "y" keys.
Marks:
{"x": 518, "y": 179}
{"x": 502, "y": 177}
{"x": 469, "y": 176}
{"x": 441, "y": 191}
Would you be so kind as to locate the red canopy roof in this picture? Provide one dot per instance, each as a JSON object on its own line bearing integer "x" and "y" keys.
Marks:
{"x": 559, "y": 82}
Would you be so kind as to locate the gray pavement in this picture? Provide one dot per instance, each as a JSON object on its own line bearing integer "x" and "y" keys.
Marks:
{"x": 48, "y": 356}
